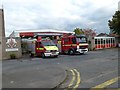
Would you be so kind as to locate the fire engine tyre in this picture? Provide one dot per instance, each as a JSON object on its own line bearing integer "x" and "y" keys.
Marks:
{"x": 82, "y": 53}
{"x": 56, "y": 56}
{"x": 71, "y": 52}
{"x": 31, "y": 55}
{"x": 42, "y": 55}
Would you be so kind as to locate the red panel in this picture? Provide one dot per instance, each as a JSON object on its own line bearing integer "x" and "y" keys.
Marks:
{"x": 27, "y": 34}
{"x": 107, "y": 45}
{"x": 114, "y": 45}
{"x": 102, "y": 46}
{"x": 98, "y": 45}
{"x": 111, "y": 45}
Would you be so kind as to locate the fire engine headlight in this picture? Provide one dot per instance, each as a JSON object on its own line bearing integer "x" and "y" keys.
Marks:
{"x": 47, "y": 51}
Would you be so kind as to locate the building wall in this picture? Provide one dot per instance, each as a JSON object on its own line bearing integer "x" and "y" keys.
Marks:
{"x": 17, "y": 53}
{"x": 0, "y": 48}
{"x": 2, "y": 32}
{"x": 3, "y": 46}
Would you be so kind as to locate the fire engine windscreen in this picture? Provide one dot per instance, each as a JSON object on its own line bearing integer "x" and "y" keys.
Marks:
{"x": 48, "y": 43}
{"x": 81, "y": 39}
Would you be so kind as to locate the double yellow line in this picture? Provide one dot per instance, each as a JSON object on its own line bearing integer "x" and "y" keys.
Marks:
{"x": 75, "y": 81}
{"x": 71, "y": 81}
{"x": 107, "y": 83}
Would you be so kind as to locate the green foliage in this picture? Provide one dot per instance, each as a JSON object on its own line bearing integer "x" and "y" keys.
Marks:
{"x": 12, "y": 56}
{"x": 114, "y": 24}
{"x": 89, "y": 42}
{"x": 78, "y": 31}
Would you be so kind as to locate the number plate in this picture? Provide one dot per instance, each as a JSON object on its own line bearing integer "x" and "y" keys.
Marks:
{"x": 53, "y": 52}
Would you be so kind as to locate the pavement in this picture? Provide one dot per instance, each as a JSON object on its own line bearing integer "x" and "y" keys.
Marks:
{"x": 37, "y": 77}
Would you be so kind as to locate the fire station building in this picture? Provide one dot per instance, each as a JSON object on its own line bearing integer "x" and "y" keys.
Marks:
{"x": 52, "y": 33}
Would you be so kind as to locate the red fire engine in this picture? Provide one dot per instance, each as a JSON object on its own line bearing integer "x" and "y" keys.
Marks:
{"x": 73, "y": 44}
{"x": 41, "y": 47}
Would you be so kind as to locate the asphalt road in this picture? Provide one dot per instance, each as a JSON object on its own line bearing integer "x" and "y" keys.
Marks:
{"x": 95, "y": 69}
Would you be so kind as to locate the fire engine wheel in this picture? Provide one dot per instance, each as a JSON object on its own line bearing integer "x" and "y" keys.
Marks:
{"x": 42, "y": 55}
{"x": 31, "y": 55}
{"x": 71, "y": 52}
{"x": 56, "y": 56}
{"x": 82, "y": 53}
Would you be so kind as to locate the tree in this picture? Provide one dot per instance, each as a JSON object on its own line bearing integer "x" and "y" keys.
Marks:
{"x": 114, "y": 24}
{"x": 78, "y": 31}
{"x": 89, "y": 32}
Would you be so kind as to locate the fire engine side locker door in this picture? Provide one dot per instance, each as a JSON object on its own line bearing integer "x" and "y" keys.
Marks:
{"x": 37, "y": 47}
{"x": 65, "y": 44}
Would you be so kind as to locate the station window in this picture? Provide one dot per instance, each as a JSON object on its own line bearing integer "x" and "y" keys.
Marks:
{"x": 101, "y": 41}
{"x": 95, "y": 41}
{"x": 98, "y": 41}
{"x": 109, "y": 41}
{"x": 106, "y": 41}
{"x": 113, "y": 40}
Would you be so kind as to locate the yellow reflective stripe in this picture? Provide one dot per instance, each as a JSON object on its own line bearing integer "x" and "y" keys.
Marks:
{"x": 83, "y": 44}
{"x": 74, "y": 44}
{"x": 66, "y": 45}
{"x": 51, "y": 48}
{"x": 71, "y": 45}
{"x": 41, "y": 48}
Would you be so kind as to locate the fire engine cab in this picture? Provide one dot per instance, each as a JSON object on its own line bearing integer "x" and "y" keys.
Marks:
{"x": 73, "y": 44}
{"x": 42, "y": 47}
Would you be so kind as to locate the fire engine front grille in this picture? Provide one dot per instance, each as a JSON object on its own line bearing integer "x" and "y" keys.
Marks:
{"x": 82, "y": 47}
{"x": 53, "y": 50}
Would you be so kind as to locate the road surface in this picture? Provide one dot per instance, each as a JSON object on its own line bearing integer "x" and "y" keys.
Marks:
{"x": 95, "y": 69}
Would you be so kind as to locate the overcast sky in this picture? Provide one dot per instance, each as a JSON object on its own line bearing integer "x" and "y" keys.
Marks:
{"x": 58, "y": 14}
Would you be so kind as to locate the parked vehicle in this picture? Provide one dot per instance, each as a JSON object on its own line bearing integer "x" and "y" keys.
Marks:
{"x": 73, "y": 44}
{"x": 41, "y": 47}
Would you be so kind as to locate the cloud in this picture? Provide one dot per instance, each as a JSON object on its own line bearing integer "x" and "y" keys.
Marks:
{"x": 58, "y": 14}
